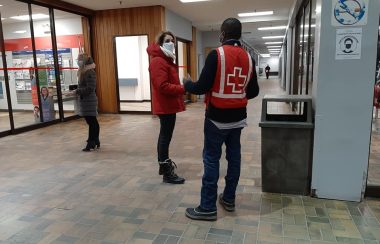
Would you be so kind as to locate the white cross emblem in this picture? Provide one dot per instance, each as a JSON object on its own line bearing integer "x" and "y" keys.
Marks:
{"x": 239, "y": 79}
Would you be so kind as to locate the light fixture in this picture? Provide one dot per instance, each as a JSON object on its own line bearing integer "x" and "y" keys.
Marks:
{"x": 265, "y": 55}
{"x": 273, "y": 37}
{"x": 274, "y": 50}
{"x": 270, "y": 43}
{"x": 253, "y": 14}
{"x": 193, "y": 1}
{"x": 20, "y": 32}
{"x": 34, "y": 16}
{"x": 282, "y": 27}
{"x": 274, "y": 47}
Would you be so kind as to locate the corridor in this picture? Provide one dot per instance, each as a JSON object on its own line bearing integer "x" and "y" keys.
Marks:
{"x": 52, "y": 192}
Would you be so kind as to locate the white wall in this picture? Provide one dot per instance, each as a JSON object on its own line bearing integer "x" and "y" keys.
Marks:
{"x": 132, "y": 62}
{"x": 210, "y": 39}
{"x": 180, "y": 26}
{"x": 272, "y": 61}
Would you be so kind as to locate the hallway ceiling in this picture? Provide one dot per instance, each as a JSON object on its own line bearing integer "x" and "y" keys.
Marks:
{"x": 208, "y": 16}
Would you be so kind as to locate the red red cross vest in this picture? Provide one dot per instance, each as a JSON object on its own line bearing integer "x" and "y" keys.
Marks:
{"x": 232, "y": 76}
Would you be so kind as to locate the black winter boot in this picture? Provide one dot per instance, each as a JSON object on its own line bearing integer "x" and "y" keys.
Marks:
{"x": 167, "y": 169}
{"x": 90, "y": 146}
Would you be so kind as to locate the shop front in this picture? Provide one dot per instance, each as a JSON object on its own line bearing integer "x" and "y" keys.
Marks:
{"x": 39, "y": 47}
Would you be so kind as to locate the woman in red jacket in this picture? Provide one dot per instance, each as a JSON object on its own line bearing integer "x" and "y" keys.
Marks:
{"x": 167, "y": 100}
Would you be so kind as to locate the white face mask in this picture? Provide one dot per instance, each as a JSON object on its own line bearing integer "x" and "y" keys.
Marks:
{"x": 80, "y": 63}
{"x": 169, "y": 46}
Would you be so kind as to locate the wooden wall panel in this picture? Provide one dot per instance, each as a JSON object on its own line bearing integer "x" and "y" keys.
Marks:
{"x": 86, "y": 36}
{"x": 193, "y": 60}
{"x": 119, "y": 22}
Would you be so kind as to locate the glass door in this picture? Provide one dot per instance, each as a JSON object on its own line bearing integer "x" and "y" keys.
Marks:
{"x": 373, "y": 180}
{"x": 183, "y": 56}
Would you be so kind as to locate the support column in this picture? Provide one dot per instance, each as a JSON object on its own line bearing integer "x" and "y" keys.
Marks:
{"x": 344, "y": 77}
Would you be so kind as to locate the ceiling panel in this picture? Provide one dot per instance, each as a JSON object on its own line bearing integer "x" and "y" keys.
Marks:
{"x": 206, "y": 16}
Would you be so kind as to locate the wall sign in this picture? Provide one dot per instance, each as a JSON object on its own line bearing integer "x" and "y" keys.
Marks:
{"x": 349, "y": 12}
{"x": 348, "y": 43}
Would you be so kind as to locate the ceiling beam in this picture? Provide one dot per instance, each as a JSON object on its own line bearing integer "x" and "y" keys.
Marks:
{"x": 61, "y": 5}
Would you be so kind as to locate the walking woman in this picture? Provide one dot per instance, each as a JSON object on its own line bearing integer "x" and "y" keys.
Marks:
{"x": 167, "y": 100}
{"x": 87, "y": 99}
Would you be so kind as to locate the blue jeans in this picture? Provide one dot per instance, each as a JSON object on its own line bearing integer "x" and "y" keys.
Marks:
{"x": 212, "y": 151}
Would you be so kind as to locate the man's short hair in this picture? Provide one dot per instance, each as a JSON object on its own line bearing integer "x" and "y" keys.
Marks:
{"x": 232, "y": 28}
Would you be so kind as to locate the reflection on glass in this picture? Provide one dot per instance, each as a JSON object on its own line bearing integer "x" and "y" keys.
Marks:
{"x": 306, "y": 48}
{"x": 132, "y": 73}
{"x": 21, "y": 67}
{"x": 70, "y": 42}
{"x": 4, "y": 112}
{"x": 183, "y": 63}
{"x": 45, "y": 72}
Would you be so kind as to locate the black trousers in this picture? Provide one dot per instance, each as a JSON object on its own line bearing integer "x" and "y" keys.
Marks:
{"x": 93, "y": 128}
{"x": 167, "y": 122}
{"x": 267, "y": 74}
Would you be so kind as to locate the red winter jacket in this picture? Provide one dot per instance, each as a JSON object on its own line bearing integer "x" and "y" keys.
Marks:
{"x": 167, "y": 91}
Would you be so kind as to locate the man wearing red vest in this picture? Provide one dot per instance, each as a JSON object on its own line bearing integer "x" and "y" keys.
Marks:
{"x": 228, "y": 79}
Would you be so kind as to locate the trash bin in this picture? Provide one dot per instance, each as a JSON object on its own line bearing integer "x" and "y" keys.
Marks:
{"x": 286, "y": 146}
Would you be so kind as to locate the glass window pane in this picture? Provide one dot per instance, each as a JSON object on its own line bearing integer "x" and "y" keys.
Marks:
{"x": 19, "y": 56}
{"x": 70, "y": 41}
{"x": 4, "y": 112}
{"x": 306, "y": 49}
{"x": 45, "y": 72}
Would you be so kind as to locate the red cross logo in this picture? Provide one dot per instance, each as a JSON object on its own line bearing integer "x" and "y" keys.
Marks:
{"x": 237, "y": 80}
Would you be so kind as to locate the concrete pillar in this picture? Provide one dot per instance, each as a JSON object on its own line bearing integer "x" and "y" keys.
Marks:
{"x": 343, "y": 93}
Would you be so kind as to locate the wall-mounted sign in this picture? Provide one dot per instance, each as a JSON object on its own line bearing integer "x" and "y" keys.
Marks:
{"x": 349, "y": 12}
{"x": 348, "y": 43}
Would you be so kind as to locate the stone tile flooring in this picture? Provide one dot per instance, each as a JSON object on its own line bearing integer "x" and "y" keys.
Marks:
{"x": 51, "y": 192}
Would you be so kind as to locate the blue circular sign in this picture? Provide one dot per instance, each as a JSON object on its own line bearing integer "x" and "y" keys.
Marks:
{"x": 349, "y": 12}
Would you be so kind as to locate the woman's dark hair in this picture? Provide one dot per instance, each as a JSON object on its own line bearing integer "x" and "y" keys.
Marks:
{"x": 44, "y": 88}
{"x": 232, "y": 28}
{"x": 161, "y": 37}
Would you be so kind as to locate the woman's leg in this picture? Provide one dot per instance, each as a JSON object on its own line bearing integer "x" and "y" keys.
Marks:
{"x": 167, "y": 124}
{"x": 167, "y": 166}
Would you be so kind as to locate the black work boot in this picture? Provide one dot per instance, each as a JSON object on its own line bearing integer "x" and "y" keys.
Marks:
{"x": 167, "y": 169}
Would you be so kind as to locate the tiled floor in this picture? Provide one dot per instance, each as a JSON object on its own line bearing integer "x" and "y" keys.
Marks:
{"x": 51, "y": 192}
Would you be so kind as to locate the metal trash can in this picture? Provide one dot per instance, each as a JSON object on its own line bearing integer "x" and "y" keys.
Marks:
{"x": 286, "y": 146}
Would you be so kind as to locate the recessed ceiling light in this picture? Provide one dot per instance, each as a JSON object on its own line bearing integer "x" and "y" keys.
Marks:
{"x": 193, "y": 1}
{"x": 20, "y": 32}
{"x": 273, "y": 37}
{"x": 34, "y": 16}
{"x": 274, "y": 46}
{"x": 269, "y": 49}
{"x": 282, "y": 27}
{"x": 270, "y": 43}
{"x": 253, "y": 14}
{"x": 265, "y": 55}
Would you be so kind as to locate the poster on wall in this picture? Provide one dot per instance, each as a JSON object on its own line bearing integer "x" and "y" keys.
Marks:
{"x": 348, "y": 43}
{"x": 349, "y": 12}
{"x": 1, "y": 90}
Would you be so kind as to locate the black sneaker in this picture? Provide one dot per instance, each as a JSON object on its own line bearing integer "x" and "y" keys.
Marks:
{"x": 200, "y": 214}
{"x": 230, "y": 207}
